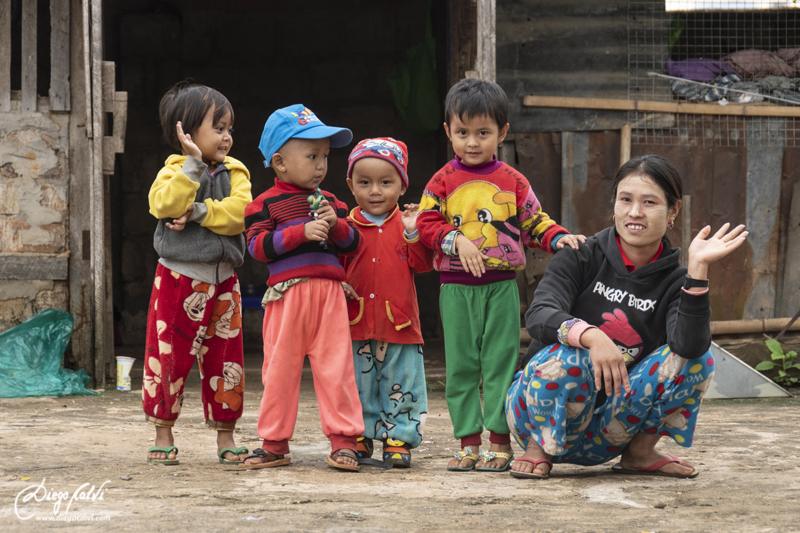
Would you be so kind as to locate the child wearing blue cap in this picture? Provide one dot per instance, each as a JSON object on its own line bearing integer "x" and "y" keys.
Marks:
{"x": 305, "y": 311}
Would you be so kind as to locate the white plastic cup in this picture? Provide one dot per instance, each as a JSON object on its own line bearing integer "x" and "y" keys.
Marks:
{"x": 124, "y": 365}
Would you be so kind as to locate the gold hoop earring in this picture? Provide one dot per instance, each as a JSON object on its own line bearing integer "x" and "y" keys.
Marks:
{"x": 613, "y": 218}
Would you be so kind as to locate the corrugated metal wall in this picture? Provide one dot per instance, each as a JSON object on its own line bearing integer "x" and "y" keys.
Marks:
{"x": 570, "y": 48}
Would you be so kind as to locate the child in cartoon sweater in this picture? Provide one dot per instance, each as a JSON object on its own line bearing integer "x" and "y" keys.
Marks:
{"x": 477, "y": 213}
{"x": 199, "y": 198}
{"x": 384, "y": 317}
{"x": 305, "y": 310}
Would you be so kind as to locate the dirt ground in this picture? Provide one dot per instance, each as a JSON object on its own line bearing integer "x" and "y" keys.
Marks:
{"x": 748, "y": 452}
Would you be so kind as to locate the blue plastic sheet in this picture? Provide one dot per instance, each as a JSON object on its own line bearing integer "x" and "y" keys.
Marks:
{"x": 31, "y": 355}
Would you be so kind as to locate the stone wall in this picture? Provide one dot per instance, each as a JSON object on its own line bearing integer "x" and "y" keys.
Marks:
{"x": 34, "y": 184}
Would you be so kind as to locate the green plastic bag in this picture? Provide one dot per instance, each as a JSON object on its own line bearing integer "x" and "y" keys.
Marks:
{"x": 31, "y": 354}
{"x": 413, "y": 86}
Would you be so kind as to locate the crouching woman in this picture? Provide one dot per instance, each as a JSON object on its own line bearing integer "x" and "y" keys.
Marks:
{"x": 621, "y": 335}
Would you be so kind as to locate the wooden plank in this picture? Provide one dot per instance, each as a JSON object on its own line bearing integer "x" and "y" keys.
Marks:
{"x": 32, "y": 267}
{"x": 103, "y": 318}
{"x": 5, "y": 57}
{"x": 625, "y": 144}
{"x": 485, "y": 62}
{"x": 81, "y": 302}
{"x": 574, "y": 175}
{"x": 661, "y": 107}
{"x": 59, "y": 55}
{"x": 791, "y": 275}
{"x": 29, "y": 58}
{"x": 764, "y": 170}
{"x": 686, "y": 228}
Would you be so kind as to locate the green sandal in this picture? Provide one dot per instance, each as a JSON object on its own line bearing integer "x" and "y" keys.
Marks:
{"x": 466, "y": 453}
{"x": 237, "y": 451}
{"x": 487, "y": 456}
{"x": 166, "y": 451}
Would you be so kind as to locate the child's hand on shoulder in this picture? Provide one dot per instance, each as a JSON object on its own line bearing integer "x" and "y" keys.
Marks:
{"x": 471, "y": 258}
{"x": 316, "y": 230}
{"x": 188, "y": 144}
{"x": 409, "y": 217}
{"x": 572, "y": 240}
{"x": 327, "y": 213}
{"x": 349, "y": 292}
{"x": 179, "y": 223}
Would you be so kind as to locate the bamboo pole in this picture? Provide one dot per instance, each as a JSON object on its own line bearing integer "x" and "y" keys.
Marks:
{"x": 725, "y": 327}
{"x": 616, "y": 104}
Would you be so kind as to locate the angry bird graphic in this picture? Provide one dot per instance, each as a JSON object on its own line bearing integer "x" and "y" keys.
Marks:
{"x": 619, "y": 330}
{"x": 490, "y": 225}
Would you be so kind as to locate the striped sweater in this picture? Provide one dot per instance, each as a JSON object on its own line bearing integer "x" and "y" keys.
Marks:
{"x": 274, "y": 227}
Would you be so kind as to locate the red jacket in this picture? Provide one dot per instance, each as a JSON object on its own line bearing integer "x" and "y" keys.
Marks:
{"x": 381, "y": 271}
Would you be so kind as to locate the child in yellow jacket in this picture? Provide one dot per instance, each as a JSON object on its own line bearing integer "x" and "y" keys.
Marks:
{"x": 199, "y": 198}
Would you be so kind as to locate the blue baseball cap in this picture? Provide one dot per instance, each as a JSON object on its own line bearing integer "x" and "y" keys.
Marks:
{"x": 297, "y": 122}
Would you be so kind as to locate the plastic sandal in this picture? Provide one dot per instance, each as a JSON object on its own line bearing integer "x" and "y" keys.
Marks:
{"x": 167, "y": 451}
{"x": 466, "y": 453}
{"x": 340, "y": 466}
{"x": 487, "y": 456}
{"x": 258, "y": 453}
{"x": 364, "y": 448}
{"x": 531, "y": 475}
{"x": 652, "y": 470}
{"x": 237, "y": 451}
{"x": 396, "y": 453}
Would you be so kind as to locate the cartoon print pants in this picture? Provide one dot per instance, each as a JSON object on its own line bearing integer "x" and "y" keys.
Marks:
{"x": 552, "y": 400}
{"x": 392, "y": 389}
{"x": 191, "y": 320}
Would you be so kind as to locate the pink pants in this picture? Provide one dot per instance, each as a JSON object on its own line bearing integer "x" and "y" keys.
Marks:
{"x": 310, "y": 319}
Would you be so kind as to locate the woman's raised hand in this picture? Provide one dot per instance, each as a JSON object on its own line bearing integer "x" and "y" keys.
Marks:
{"x": 707, "y": 250}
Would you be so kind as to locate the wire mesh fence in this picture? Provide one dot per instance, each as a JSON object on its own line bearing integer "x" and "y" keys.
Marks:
{"x": 734, "y": 53}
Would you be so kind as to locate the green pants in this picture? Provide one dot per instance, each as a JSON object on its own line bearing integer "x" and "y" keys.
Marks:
{"x": 481, "y": 338}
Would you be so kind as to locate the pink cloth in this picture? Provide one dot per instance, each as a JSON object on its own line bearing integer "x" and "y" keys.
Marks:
{"x": 310, "y": 319}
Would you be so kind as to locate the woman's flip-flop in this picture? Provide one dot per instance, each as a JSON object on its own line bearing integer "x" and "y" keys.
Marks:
{"x": 341, "y": 466}
{"x": 237, "y": 451}
{"x": 531, "y": 475}
{"x": 258, "y": 453}
{"x": 166, "y": 451}
{"x": 653, "y": 469}
{"x": 487, "y": 456}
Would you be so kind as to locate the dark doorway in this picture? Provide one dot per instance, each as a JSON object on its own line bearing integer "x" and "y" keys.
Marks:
{"x": 333, "y": 57}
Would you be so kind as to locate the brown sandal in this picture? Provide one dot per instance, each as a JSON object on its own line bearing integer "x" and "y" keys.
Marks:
{"x": 342, "y": 453}
{"x": 271, "y": 460}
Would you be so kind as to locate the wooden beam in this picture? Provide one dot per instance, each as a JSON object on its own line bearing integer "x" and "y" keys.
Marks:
{"x": 686, "y": 228}
{"x": 103, "y": 318}
{"x": 661, "y": 107}
{"x": 485, "y": 62}
{"x": 33, "y": 267}
{"x": 5, "y": 57}
{"x": 59, "y": 55}
{"x": 81, "y": 301}
{"x": 625, "y": 144}
{"x": 29, "y": 59}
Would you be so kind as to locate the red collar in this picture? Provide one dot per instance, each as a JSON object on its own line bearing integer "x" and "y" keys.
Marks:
{"x": 630, "y": 266}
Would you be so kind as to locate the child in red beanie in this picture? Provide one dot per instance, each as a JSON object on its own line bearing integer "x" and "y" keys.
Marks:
{"x": 382, "y": 302}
